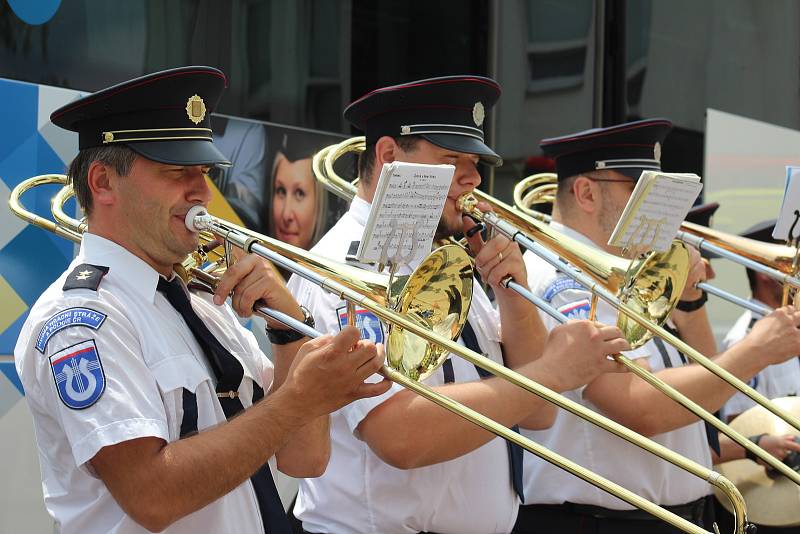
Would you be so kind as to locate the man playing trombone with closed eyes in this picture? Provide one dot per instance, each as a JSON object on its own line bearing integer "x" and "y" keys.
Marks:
{"x": 154, "y": 410}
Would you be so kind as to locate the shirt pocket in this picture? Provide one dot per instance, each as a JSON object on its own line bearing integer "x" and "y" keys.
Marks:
{"x": 173, "y": 375}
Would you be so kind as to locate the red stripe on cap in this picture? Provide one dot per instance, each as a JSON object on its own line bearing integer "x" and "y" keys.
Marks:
{"x": 89, "y": 100}
{"x": 604, "y": 131}
{"x": 424, "y": 83}
{"x": 384, "y": 112}
{"x": 599, "y": 147}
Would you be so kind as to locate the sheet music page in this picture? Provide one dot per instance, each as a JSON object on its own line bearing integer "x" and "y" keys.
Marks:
{"x": 788, "y": 225}
{"x": 405, "y": 212}
{"x": 655, "y": 211}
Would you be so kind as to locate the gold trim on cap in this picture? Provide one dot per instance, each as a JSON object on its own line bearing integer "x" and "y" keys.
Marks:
{"x": 194, "y": 133}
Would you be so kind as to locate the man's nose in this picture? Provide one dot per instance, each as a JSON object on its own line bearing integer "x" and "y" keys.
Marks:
{"x": 199, "y": 191}
{"x": 469, "y": 175}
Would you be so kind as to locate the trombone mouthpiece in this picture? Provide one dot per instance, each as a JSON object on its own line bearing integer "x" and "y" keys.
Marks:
{"x": 194, "y": 218}
{"x": 466, "y": 203}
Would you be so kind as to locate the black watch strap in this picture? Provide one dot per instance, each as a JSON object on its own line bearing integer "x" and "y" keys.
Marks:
{"x": 692, "y": 305}
{"x": 755, "y": 439}
{"x": 283, "y": 336}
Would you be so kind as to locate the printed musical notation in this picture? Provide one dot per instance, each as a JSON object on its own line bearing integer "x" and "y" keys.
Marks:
{"x": 405, "y": 213}
{"x": 655, "y": 211}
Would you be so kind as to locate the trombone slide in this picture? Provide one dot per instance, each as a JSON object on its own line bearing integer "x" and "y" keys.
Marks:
{"x": 515, "y": 234}
{"x": 198, "y": 219}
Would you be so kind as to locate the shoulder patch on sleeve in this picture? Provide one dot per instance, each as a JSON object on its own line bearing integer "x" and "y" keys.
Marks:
{"x": 64, "y": 319}
{"x": 366, "y": 321}
{"x": 561, "y": 283}
{"x": 576, "y": 310}
{"x": 85, "y": 276}
{"x": 78, "y": 375}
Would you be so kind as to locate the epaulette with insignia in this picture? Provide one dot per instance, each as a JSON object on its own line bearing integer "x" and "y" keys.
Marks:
{"x": 85, "y": 276}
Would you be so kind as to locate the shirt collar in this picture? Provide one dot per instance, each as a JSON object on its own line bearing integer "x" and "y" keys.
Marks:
{"x": 137, "y": 274}
{"x": 359, "y": 210}
{"x": 571, "y": 232}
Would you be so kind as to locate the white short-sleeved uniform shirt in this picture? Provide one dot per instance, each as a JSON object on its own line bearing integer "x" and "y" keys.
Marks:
{"x": 359, "y": 493}
{"x": 594, "y": 448}
{"x": 128, "y": 357}
{"x": 781, "y": 380}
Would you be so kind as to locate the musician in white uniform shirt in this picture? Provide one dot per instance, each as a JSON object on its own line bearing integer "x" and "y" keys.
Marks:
{"x": 131, "y": 379}
{"x": 781, "y": 380}
{"x": 588, "y": 205}
{"x": 400, "y": 464}
{"x": 774, "y": 381}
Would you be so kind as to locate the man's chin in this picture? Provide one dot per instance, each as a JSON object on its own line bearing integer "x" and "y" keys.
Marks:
{"x": 447, "y": 229}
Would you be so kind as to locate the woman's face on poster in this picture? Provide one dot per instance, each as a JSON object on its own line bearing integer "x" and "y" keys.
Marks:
{"x": 294, "y": 202}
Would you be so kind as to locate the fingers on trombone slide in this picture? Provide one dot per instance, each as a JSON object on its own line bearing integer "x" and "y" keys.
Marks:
{"x": 614, "y": 343}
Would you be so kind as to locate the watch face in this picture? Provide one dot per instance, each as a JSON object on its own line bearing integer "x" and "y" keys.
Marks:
{"x": 308, "y": 318}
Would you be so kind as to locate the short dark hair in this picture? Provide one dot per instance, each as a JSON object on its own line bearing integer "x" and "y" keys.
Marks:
{"x": 120, "y": 157}
{"x": 366, "y": 161}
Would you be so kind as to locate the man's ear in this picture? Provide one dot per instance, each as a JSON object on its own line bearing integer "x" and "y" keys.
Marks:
{"x": 586, "y": 194}
{"x": 101, "y": 184}
{"x": 385, "y": 152}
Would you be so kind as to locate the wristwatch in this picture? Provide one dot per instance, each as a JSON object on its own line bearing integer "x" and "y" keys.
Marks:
{"x": 283, "y": 336}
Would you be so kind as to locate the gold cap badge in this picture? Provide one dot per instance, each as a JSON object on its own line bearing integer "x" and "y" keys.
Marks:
{"x": 657, "y": 152}
{"x": 478, "y": 113}
{"x": 196, "y": 109}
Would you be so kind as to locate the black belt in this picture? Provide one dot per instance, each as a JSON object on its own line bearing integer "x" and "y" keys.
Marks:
{"x": 691, "y": 511}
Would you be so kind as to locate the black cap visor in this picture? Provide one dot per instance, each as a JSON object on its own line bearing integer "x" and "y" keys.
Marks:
{"x": 181, "y": 152}
{"x": 467, "y": 145}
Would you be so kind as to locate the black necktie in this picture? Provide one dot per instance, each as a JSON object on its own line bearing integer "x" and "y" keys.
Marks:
{"x": 229, "y": 373}
{"x": 514, "y": 450}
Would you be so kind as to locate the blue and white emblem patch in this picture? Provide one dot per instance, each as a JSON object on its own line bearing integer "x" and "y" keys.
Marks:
{"x": 366, "y": 321}
{"x": 561, "y": 283}
{"x": 64, "y": 319}
{"x": 576, "y": 310}
{"x": 78, "y": 375}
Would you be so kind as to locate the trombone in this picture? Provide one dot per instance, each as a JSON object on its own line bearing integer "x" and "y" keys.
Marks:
{"x": 334, "y": 277}
{"x": 604, "y": 275}
{"x": 525, "y": 221}
{"x": 773, "y": 260}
